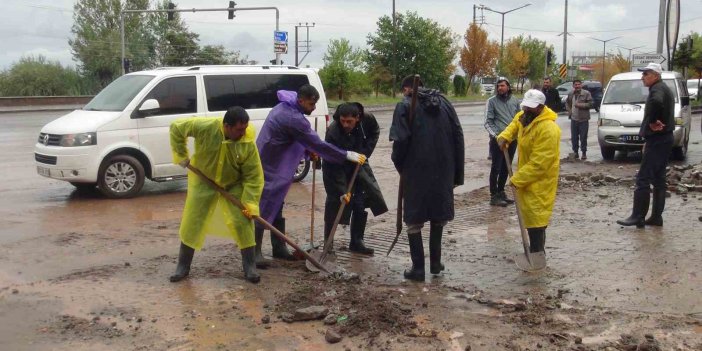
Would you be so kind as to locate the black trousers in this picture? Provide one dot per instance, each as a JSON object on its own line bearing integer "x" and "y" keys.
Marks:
{"x": 578, "y": 132}
{"x": 498, "y": 169}
{"x": 654, "y": 162}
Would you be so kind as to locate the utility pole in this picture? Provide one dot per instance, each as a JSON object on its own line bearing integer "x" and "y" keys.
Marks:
{"x": 630, "y": 50}
{"x": 394, "y": 46}
{"x": 661, "y": 26}
{"x": 306, "y": 47}
{"x": 604, "y": 55}
{"x": 565, "y": 33}
{"x": 502, "y": 36}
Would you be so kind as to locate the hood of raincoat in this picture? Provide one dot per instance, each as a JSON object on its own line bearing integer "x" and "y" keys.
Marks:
{"x": 289, "y": 98}
{"x": 430, "y": 100}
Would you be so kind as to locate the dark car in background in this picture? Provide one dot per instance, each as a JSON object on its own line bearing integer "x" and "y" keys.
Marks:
{"x": 595, "y": 89}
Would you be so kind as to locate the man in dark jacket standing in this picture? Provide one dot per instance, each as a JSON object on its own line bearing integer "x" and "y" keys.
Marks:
{"x": 499, "y": 112}
{"x": 352, "y": 130}
{"x": 553, "y": 99}
{"x": 429, "y": 154}
{"x": 657, "y": 129}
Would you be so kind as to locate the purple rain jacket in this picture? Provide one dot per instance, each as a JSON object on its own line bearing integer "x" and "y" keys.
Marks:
{"x": 284, "y": 137}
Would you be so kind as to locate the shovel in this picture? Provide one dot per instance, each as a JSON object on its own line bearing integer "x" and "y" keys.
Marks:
{"x": 529, "y": 262}
{"x": 324, "y": 257}
{"x": 276, "y": 232}
{"x": 311, "y": 246}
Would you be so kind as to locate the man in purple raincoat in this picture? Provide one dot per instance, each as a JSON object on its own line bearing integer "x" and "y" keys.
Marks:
{"x": 285, "y": 136}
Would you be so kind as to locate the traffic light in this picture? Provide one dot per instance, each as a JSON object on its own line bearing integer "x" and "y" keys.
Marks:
{"x": 549, "y": 58}
{"x": 171, "y": 14}
{"x": 231, "y": 9}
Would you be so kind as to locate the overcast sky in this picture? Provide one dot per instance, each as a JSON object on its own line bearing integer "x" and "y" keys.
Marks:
{"x": 32, "y": 27}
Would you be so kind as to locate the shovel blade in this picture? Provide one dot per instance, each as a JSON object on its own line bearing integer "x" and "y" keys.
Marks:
{"x": 328, "y": 261}
{"x": 538, "y": 261}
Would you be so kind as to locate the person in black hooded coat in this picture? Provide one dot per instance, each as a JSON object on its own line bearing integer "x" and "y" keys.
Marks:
{"x": 352, "y": 130}
{"x": 429, "y": 155}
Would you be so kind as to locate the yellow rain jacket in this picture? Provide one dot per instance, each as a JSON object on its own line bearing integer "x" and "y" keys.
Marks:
{"x": 536, "y": 178}
{"x": 234, "y": 165}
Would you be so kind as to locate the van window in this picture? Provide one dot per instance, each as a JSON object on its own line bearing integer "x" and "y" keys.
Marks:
{"x": 249, "y": 90}
{"x": 117, "y": 95}
{"x": 175, "y": 96}
{"x": 632, "y": 91}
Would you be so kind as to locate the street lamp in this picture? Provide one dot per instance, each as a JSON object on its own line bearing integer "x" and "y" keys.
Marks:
{"x": 630, "y": 50}
{"x": 502, "y": 36}
{"x": 604, "y": 55}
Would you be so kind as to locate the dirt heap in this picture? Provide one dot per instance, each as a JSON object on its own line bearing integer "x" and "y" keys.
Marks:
{"x": 356, "y": 307}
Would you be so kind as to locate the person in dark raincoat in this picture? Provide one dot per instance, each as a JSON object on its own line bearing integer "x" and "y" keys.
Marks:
{"x": 429, "y": 155}
{"x": 355, "y": 130}
{"x": 285, "y": 137}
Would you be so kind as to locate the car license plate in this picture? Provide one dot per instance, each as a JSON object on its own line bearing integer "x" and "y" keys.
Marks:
{"x": 43, "y": 171}
{"x": 631, "y": 139}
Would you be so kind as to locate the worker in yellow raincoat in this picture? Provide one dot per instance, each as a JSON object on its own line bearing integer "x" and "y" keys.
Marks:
{"x": 536, "y": 178}
{"x": 225, "y": 151}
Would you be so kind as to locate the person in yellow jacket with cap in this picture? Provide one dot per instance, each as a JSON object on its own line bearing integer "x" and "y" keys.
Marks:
{"x": 536, "y": 179}
{"x": 225, "y": 151}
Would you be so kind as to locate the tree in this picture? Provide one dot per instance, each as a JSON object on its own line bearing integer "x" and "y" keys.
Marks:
{"x": 342, "y": 63}
{"x": 459, "y": 85}
{"x": 478, "y": 55}
{"x": 516, "y": 62}
{"x": 381, "y": 78}
{"x": 36, "y": 76}
{"x": 422, "y": 46}
{"x": 96, "y": 45}
{"x": 536, "y": 50}
{"x": 613, "y": 64}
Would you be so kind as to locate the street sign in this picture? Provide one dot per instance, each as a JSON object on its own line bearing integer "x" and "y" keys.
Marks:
{"x": 280, "y": 42}
{"x": 280, "y": 37}
{"x": 563, "y": 70}
{"x": 645, "y": 59}
{"x": 279, "y": 48}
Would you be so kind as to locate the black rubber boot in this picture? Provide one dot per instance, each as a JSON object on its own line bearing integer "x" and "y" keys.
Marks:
{"x": 358, "y": 228}
{"x": 280, "y": 249}
{"x": 261, "y": 262}
{"x": 248, "y": 260}
{"x": 656, "y": 218}
{"x": 505, "y": 198}
{"x": 638, "y": 213}
{"x": 537, "y": 239}
{"x": 435, "y": 233}
{"x": 417, "y": 254}
{"x": 496, "y": 200}
{"x": 185, "y": 258}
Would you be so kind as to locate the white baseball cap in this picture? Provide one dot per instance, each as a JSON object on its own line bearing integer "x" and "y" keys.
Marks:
{"x": 533, "y": 98}
{"x": 656, "y": 67}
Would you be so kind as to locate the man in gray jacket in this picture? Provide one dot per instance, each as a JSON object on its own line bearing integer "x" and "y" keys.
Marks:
{"x": 578, "y": 104}
{"x": 499, "y": 112}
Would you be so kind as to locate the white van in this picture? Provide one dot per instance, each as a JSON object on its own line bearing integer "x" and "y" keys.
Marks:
{"x": 121, "y": 136}
{"x": 622, "y": 111}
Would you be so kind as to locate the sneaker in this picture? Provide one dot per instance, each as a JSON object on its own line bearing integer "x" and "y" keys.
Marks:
{"x": 504, "y": 197}
{"x": 584, "y": 156}
{"x": 496, "y": 200}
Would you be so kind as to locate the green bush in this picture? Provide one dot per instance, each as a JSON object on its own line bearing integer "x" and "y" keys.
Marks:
{"x": 35, "y": 76}
{"x": 459, "y": 85}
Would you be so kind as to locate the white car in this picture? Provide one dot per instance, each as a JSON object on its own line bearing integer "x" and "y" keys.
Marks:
{"x": 692, "y": 87}
{"x": 121, "y": 137}
{"x": 622, "y": 111}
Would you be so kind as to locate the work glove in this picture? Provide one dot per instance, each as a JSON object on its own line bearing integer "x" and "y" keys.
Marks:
{"x": 184, "y": 163}
{"x": 502, "y": 143}
{"x": 355, "y": 157}
{"x": 247, "y": 213}
{"x": 346, "y": 198}
{"x": 313, "y": 156}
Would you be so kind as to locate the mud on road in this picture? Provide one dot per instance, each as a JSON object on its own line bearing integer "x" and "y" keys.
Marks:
{"x": 79, "y": 272}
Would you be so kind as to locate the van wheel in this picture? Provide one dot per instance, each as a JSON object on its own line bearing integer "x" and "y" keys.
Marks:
{"x": 607, "y": 153}
{"x": 121, "y": 177}
{"x": 302, "y": 169}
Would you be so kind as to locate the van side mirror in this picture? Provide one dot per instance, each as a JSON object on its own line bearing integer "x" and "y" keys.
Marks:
{"x": 684, "y": 101}
{"x": 149, "y": 106}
